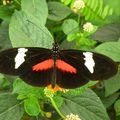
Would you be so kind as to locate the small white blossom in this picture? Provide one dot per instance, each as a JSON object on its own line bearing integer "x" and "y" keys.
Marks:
{"x": 88, "y": 27}
{"x": 48, "y": 92}
{"x": 78, "y": 4}
{"x": 71, "y": 116}
{"x": 5, "y": 2}
{"x": 65, "y": 90}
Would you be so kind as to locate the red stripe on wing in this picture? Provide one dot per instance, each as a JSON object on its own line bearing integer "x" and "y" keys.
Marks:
{"x": 45, "y": 65}
{"x": 60, "y": 64}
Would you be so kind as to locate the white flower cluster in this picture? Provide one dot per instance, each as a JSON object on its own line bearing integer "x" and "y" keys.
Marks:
{"x": 78, "y": 4}
{"x": 72, "y": 117}
{"x": 5, "y": 2}
{"x": 65, "y": 90}
{"x": 88, "y": 27}
{"x": 48, "y": 92}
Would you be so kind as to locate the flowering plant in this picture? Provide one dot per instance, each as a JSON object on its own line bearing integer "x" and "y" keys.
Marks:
{"x": 78, "y": 24}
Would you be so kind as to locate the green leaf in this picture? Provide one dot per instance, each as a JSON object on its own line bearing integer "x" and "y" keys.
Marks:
{"x": 66, "y": 2}
{"x": 80, "y": 90}
{"x": 87, "y": 106}
{"x": 105, "y": 11}
{"x": 4, "y": 83}
{"x": 71, "y": 37}
{"x": 40, "y": 118}
{"x": 57, "y": 11}
{"x": 115, "y": 5}
{"x": 6, "y": 12}
{"x": 108, "y": 101}
{"x": 4, "y": 37}
{"x": 24, "y": 90}
{"x": 83, "y": 41}
{"x": 10, "y": 108}
{"x": 117, "y": 107}
{"x": 95, "y": 11}
{"x": 70, "y": 26}
{"x": 58, "y": 100}
{"x": 108, "y": 32}
{"x": 32, "y": 106}
{"x": 110, "y": 49}
{"x": 36, "y": 8}
{"x": 68, "y": 44}
{"x": 1, "y": 80}
{"x": 26, "y": 31}
{"x": 112, "y": 84}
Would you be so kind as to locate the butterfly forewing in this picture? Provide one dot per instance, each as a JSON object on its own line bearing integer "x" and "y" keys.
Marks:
{"x": 20, "y": 61}
{"x": 89, "y": 66}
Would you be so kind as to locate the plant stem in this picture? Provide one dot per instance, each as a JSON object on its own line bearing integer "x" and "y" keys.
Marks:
{"x": 56, "y": 108}
{"x": 36, "y": 117}
{"x": 78, "y": 18}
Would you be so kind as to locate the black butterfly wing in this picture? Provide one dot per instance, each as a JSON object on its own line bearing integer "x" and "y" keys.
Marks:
{"x": 30, "y": 57}
{"x": 20, "y": 61}
{"x": 89, "y": 66}
{"x": 39, "y": 79}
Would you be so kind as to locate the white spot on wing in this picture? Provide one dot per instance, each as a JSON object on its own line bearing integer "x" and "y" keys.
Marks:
{"x": 89, "y": 61}
{"x": 20, "y": 57}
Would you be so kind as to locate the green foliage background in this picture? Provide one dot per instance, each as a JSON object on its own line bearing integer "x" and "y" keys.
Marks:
{"x": 37, "y": 23}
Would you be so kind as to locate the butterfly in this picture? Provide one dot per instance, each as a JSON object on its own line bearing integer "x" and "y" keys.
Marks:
{"x": 66, "y": 68}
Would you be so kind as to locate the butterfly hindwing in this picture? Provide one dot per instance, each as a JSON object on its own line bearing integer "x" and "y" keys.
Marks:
{"x": 40, "y": 78}
{"x": 89, "y": 66}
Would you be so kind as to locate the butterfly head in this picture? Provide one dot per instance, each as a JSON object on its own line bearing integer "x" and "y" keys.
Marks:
{"x": 55, "y": 47}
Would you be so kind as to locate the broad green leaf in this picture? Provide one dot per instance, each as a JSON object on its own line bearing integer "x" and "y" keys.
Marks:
{"x": 25, "y": 31}
{"x": 4, "y": 37}
{"x": 54, "y": 116}
{"x": 4, "y": 83}
{"x": 39, "y": 118}
{"x": 36, "y": 8}
{"x": 6, "y": 12}
{"x": 80, "y": 90}
{"x": 110, "y": 49}
{"x": 10, "y": 108}
{"x": 70, "y": 26}
{"x": 112, "y": 84}
{"x": 32, "y": 106}
{"x": 58, "y": 100}
{"x": 108, "y": 32}
{"x": 117, "y": 107}
{"x": 1, "y": 79}
{"x": 68, "y": 44}
{"x": 24, "y": 90}
{"x": 66, "y": 2}
{"x": 87, "y": 106}
{"x": 71, "y": 37}
{"x": 85, "y": 42}
{"x": 108, "y": 101}
{"x": 57, "y": 11}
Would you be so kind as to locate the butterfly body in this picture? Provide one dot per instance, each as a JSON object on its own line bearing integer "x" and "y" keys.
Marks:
{"x": 66, "y": 68}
